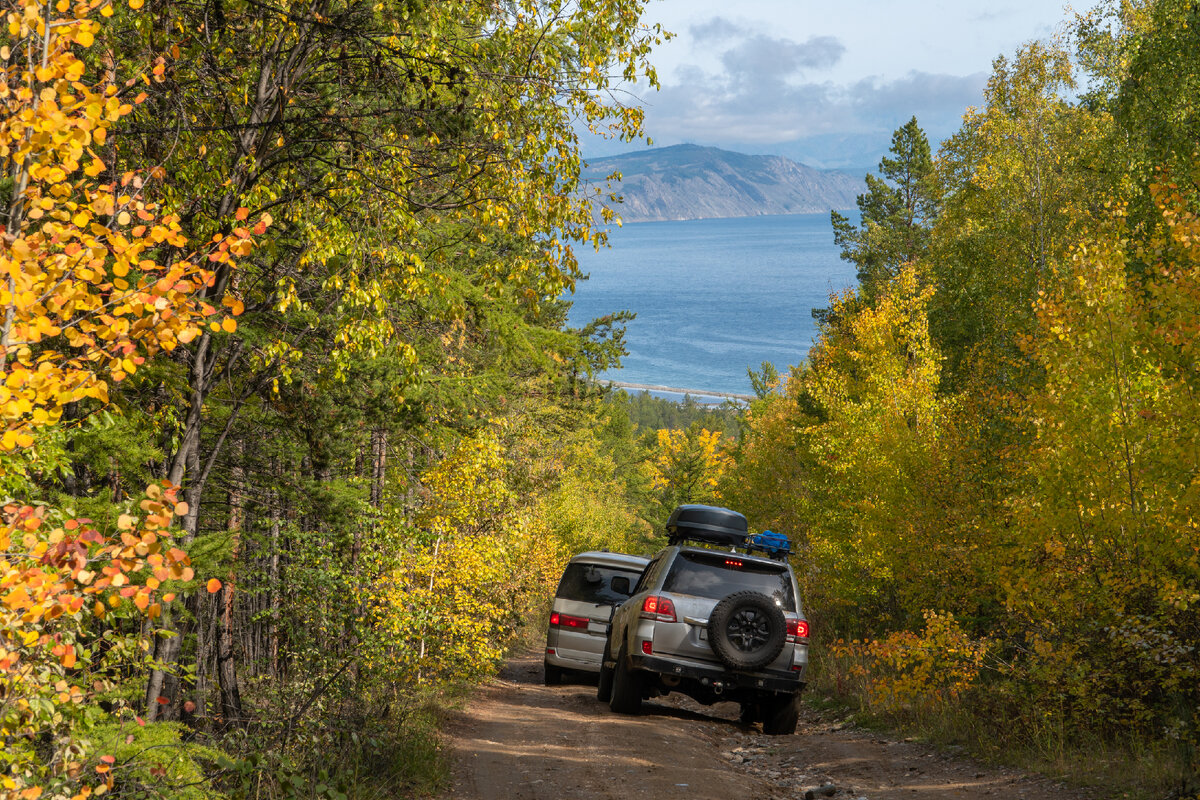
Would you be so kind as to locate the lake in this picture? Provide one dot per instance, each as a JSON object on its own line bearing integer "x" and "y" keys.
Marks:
{"x": 713, "y": 296}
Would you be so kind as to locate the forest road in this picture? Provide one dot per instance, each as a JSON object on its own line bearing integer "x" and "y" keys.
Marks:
{"x": 519, "y": 740}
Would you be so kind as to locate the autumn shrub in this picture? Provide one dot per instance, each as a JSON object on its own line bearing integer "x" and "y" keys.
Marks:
{"x": 908, "y": 672}
{"x": 72, "y": 599}
{"x": 1106, "y": 578}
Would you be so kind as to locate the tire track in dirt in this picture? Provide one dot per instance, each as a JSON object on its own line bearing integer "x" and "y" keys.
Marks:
{"x": 520, "y": 740}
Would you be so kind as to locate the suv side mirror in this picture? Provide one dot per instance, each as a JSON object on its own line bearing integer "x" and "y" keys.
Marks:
{"x": 620, "y": 585}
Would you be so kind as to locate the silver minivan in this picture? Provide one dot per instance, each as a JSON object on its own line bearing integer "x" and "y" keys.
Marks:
{"x": 592, "y": 584}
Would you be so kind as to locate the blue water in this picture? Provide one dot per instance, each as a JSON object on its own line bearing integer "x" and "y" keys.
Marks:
{"x": 713, "y": 297}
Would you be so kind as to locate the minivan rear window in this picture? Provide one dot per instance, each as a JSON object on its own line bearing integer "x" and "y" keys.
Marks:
{"x": 590, "y": 583}
{"x": 716, "y": 575}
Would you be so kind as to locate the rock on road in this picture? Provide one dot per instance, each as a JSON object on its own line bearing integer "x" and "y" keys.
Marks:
{"x": 519, "y": 740}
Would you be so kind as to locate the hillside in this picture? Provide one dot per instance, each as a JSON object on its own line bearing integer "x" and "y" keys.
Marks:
{"x": 692, "y": 182}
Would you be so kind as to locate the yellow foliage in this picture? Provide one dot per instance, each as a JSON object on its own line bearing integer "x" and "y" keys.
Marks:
{"x": 448, "y": 605}
{"x": 686, "y": 466}
{"x": 83, "y": 298}
{"x": 907, "y": 671}
{"x": 466, "y": 489}
{"x": 477, "y": 566}
{"x": 91, "y": 284}
{"x": 875, "y": 443}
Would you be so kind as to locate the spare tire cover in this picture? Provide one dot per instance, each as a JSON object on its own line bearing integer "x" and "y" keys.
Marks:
{"x": 746, "y": 630}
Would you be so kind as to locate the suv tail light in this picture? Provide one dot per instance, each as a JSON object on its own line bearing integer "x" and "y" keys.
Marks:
{"x": 797, "y": 630}
{"x": 558, "y": 620}
{"x": 658, "y": 608}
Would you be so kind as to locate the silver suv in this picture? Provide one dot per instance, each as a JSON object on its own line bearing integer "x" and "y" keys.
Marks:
{"x": 713, "y": 619}
{"x": 591, "y": 585}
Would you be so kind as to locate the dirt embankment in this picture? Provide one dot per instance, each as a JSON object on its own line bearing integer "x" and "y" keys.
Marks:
{"x": 520, "y": 740}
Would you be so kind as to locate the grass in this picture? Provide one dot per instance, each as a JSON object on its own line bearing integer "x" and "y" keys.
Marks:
{"x": 409, "y": 758}
{"x": 1134, "y": 767}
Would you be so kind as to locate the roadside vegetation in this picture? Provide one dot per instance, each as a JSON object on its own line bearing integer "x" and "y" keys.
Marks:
{"x": 297, "y": 439}
{"x": 990, "y": 458}
{"x": 295, "y": 435}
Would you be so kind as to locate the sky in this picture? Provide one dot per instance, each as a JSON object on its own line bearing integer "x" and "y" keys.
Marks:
{"x": 826, "y": 82}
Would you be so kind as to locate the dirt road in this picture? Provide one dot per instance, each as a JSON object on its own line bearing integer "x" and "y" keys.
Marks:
{"x": 519, "y": 740}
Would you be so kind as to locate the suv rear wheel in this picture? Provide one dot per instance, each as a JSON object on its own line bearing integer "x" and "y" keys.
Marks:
{"x": 781, "y": 719}
{"x": 553, "y": 674}
{"x": 747, "y": 630}
{"x": 626, "y": 688}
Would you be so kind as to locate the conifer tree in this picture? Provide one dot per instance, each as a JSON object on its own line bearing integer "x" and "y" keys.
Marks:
{"x": 897, "y": 212}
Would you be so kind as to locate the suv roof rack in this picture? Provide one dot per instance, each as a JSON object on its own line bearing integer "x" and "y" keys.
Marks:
{"x": 722, "y": 526}
{"x": 708, "y": 524}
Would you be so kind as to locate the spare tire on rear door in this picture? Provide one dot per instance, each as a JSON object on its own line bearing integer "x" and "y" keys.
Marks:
{"x": 746, "y": 630}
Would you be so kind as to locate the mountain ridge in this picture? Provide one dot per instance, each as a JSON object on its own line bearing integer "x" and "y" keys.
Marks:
{"x": 688, "y": 181}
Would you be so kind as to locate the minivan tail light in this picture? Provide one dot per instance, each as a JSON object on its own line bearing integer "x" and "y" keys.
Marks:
{"x": 558, "y": 620}
{"x": 658, "y": 608}
{"x": 797, "y": 629}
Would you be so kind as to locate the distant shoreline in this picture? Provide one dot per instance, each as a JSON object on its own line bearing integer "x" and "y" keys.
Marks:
{"x": 647, "y": 387}
{"x": 654, "y": 221}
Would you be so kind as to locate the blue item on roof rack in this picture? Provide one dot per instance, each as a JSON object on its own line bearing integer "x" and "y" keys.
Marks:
{"x": 775, "y": 545}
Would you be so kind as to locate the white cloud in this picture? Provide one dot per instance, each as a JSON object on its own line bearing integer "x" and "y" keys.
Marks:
{"x": 710, "y": 109}
{"x": 716, "y": 29}
{"x": 826, "y": 83}
{"x": 761, "y": 57}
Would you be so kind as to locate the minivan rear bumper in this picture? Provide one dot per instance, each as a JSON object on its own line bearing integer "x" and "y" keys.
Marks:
{"x": 767, "y": 680}
{"x": 582, "y": 662}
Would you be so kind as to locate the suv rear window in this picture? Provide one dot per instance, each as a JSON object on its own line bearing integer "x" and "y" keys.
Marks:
{"x": 717, "y": 575}
{"x": 590, "y": 583}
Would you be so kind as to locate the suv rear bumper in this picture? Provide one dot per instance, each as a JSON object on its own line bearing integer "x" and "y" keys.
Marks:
{"x": 770, "y": 681}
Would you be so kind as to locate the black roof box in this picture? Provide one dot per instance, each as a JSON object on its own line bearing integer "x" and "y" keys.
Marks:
{"x": 711, "y": 524}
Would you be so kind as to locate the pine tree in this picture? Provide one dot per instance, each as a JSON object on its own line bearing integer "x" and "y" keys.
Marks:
{"x": 896, "y": 213}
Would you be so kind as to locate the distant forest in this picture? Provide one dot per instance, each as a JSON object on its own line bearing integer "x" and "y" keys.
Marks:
{"x": 650, "y": 413}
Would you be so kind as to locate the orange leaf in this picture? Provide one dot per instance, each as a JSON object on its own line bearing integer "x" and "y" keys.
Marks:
{"x": 214, "y": 586}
